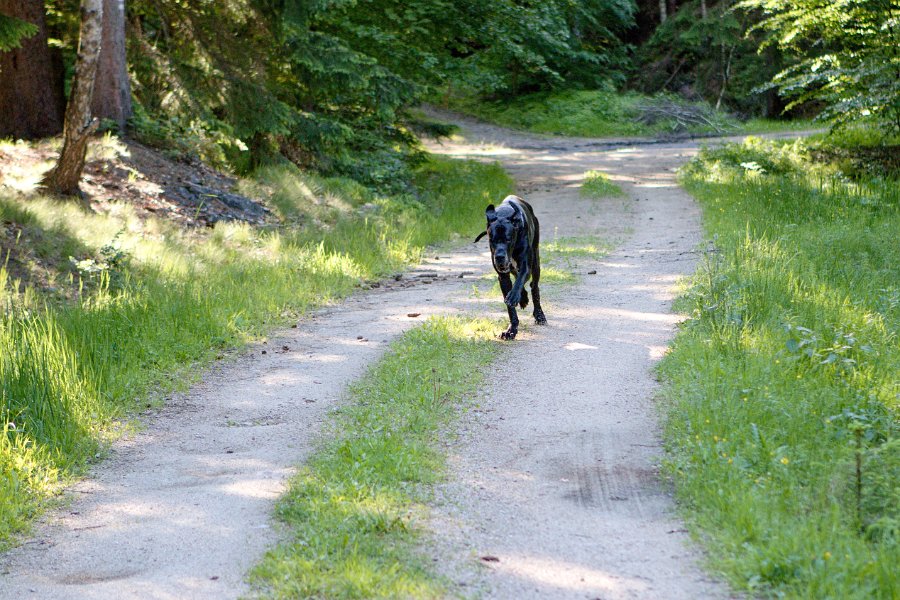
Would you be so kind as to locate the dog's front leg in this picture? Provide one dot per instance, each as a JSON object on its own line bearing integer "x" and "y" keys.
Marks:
{"x": 506, "y": 287}
{"x": 515, "y": 294}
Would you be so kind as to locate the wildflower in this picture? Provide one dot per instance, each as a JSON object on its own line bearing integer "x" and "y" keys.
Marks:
{"x": 784, "y": 460}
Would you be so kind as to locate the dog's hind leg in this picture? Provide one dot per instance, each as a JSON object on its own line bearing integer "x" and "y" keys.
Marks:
{"x": 505, "y": 287}
{"x": 538, "y": 312}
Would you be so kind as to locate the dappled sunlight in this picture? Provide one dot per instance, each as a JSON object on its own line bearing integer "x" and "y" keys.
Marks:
{"x": 258, "y": 488}
{"x": 579, "y": 346}
{"x": 647, "y": 317}
{"x": 555, "y": 574}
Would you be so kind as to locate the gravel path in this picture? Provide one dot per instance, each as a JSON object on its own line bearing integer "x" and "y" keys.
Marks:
{"x": 556, "y": 476}
{"x": 554, "y": 486}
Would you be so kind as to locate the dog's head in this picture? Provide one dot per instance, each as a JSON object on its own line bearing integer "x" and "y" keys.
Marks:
{"x": 505, "y": 225}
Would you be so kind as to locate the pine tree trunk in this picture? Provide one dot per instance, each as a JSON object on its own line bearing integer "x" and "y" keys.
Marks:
{"x": 31, "y": 88}
{"x": 79, "y": 125}
{"x": 112, "y": 88}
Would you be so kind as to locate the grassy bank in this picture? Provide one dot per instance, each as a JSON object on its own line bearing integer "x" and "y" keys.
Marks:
{"x": 608, "y": 113}
{"x": 782, "y": 389}
{"x": 143, "y": 303}
{"x": 352, "y": 510}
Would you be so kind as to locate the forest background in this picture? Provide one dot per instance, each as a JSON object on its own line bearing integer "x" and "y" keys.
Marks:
{"x": 330, "y": 85}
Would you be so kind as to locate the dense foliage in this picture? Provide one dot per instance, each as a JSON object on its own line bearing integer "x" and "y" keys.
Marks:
{"x": 712, "y": 56}
{"x": 13, "y": 31}
{"x": 850, "y": 54}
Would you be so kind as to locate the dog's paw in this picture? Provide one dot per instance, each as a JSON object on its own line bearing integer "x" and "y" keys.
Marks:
{"x": 523, "y": 302}
{"x": 509, "y": 334}
{"x": 539, "y": 317}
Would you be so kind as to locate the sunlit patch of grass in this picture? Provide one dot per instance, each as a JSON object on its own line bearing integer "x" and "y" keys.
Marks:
{"x": 555, "y": 275}
{"x": 106, "y": 147}
{"x": 597, "y": 184}
{"x": 352, "y": 511}
{"x": 574, "y": 247}
{"x": 144, "y": 304}
{"x": 782, "y": 391}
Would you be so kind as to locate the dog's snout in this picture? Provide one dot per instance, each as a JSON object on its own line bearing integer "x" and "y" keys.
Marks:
{"x": 501, "y": 259}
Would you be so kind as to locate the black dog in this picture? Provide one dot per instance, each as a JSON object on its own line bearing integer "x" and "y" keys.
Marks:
{"x": 514, "y": 236}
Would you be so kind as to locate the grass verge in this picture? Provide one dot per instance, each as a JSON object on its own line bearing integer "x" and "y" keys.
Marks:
{"x": 352, "y": 510}
{"x": 142, "y": 304}
{"x": 782, "y": 389}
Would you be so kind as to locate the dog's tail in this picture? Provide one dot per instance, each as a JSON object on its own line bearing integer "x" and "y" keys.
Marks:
{"x": 480, "y": 235}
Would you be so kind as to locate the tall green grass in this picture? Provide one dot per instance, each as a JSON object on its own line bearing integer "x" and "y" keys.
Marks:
{"x": 151, "y": 302}
{"x": 352, "y": 510}
{"x": 783, "y": 388}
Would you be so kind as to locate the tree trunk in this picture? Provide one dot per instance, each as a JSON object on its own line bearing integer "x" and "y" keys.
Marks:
{"x": 31, "y": 88}
{"x": 64, "y": 177}
{"x": 112, "y": 88}
{"x": 662, "y": 11}
{"x": 726, "y": 72}
{"x": 703, "y": 10}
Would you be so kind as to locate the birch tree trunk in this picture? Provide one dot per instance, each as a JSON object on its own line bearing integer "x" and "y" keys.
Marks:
{"x": 112, "y": 88}
{"x": 662, "y": 11}
{"x": 32, "y": 102}
{"x": 79, "y": 125}
{"x": 703, "y": 10}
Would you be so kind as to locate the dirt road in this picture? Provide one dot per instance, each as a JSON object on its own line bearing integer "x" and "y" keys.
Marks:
{"x": 556, "y": 476}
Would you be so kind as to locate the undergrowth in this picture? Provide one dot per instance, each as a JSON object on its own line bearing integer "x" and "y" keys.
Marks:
{"x": 352, "y": 511}
{"x": 782, "y": 389}
{"x": 141, "y": 303}
{"x": 608, "y": 113}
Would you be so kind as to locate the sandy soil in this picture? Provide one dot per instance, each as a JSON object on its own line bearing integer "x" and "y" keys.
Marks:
{"x": 555, "y": 474}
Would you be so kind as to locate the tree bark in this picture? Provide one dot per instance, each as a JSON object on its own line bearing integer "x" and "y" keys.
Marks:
{"x": 31, "y": 86}
{"x": 662, "y": 11}
{"x": 112, "y": 88}
{"x": 79, "y": 125}
{"x": 703, "y": 10}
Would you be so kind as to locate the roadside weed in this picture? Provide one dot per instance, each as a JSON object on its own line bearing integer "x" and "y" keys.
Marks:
{"x": 598, "y": 185}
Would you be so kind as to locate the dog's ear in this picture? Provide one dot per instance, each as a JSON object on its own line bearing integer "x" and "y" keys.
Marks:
{"x": 480, "y": 235}
{"x": 490, "y": 213}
